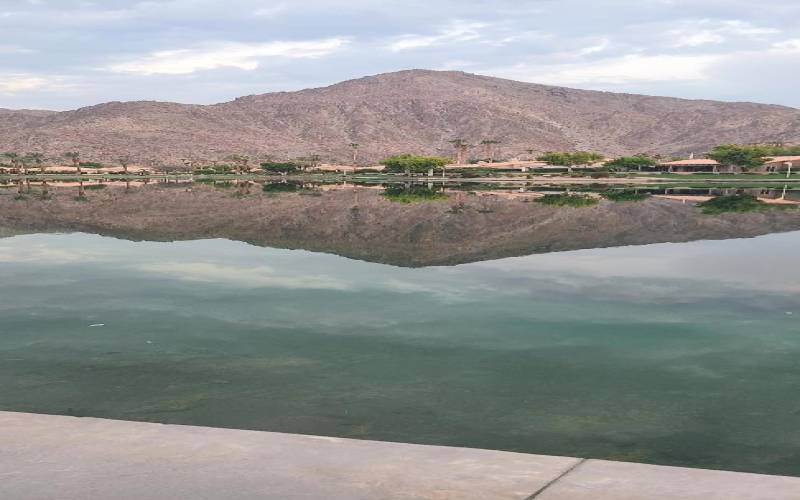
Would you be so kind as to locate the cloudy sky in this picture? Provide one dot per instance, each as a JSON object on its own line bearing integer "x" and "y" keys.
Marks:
{"x": 62, "y": 54}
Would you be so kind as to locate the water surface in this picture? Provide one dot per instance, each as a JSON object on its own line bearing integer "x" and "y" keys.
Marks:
{"x": 676, "y": 353}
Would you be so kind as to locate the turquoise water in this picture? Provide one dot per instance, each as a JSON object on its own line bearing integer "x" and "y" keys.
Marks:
{"x": 682, "y": 354}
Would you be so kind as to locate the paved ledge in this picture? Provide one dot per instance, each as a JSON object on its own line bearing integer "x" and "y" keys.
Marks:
{"x": 66, "y": 458}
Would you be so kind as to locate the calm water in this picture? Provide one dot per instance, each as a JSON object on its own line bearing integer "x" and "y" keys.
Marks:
{"x": 671, "y": 353}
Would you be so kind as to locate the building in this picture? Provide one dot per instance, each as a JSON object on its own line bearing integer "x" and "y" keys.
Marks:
{"x": 781, "y": 164}
{"x": 690, "y": 166}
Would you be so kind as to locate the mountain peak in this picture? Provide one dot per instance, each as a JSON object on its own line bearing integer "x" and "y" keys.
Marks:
{"x": 414, "y": 110}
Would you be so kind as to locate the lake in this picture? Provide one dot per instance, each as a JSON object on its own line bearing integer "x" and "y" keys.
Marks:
{"x": 680, "y": 346}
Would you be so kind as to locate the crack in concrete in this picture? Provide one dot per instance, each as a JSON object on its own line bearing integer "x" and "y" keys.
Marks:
{"x": 557, "y": 478}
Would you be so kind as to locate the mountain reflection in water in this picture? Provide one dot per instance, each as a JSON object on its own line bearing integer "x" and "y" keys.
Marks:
{"x": 405, "y": 225}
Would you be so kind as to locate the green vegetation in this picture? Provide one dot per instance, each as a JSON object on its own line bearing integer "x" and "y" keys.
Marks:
{"x": 740, "y": 156}
{"x": 570, "y": 159}
{"x": 413, "y": 194}
{"x": 91, "y": 164}
{"x": 477, "y": 172}
{"x": 280, "y": 187}
{"x": 280, "y": 167}
{"x": 413, "y": 164}
{"x": 621, "y": 196}
{"x": 567, "y": 200}
{"x": 737, "y": 203}
{"x": 750, "y": 156}
{"x": 625, "y": 163}
{"x": 214, "y": 170}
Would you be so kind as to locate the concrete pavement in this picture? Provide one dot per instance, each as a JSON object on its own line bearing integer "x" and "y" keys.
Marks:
{"x": 46, "y": 457}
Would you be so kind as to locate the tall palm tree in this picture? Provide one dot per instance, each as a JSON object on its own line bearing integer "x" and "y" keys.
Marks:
{"x": 15, "y": 159}
{"x": 314, "y": 160}
{"x": 354, "y": 146}
{"x": 488, "y": 148}
{"x": 461, "y": 148}
{"x": 76, "y": 160}
{"x": 124, "y": 161}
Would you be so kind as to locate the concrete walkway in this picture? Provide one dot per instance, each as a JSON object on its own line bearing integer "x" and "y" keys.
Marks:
{"x": 66, "y": 458}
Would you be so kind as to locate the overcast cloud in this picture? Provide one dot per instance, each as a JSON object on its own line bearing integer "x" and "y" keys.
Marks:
{"x": 62, "y": 54}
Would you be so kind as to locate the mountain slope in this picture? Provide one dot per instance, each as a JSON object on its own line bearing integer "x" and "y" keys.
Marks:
{"x": 416, "y": 111}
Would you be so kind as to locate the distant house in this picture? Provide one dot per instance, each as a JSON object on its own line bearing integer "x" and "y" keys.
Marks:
{"x": 689, "y": 166}
{"x": 781, "y": 164}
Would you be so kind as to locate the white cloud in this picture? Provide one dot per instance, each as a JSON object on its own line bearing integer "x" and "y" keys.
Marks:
{"x": 629, "y": 68}
{"x": 10, "y": 84}
{"x": 456, "y": 31}
{"x": 14, "y": 49}
{"x": 697, "y": 33}
{"x": 270, "y": 11}
{"x": 245, "y": 56}
{"x": 698, "y": 39}
{"x": 249, "y": 277}
{"x": 600, "y": 46}
{"x": 787, "y": 46}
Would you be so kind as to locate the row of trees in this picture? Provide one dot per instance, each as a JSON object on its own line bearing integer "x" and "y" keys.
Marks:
{"x": 409, "y": 163}
{"x": 737, "y": 155}
{"x": 745, "y": 156}
{"x": 462, "y": 147}
{"x": 21, "y": 162}
{"x": 750, "y": 156}
{"x": 570, "y": 159}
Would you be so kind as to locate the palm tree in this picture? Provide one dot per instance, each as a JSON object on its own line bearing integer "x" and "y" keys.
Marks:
{"x": 461, "y": 147}
{"x": 241, "y": 162}
{"x": 354, "y": 146}
{"x": 15, "y": 160}
{"x": 38, "y": 159}
{"x": 488, "y": 148}
{"x": 314, "y": 160}
{"x": 76, "y": 160}
{"x": 124, "y": 161}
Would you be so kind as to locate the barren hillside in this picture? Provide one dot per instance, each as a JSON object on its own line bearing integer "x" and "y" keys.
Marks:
{"x": 415, "y": 111}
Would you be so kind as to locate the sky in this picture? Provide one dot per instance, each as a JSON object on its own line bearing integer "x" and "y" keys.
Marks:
{"x": 64, "y": 54}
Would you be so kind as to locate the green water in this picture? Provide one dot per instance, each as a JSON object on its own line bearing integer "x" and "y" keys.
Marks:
{"x": 683, "y": 354}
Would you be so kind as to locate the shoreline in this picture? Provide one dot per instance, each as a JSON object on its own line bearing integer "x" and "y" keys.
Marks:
{"x": 72, "y": 458}
{"x": 383, "y": 178}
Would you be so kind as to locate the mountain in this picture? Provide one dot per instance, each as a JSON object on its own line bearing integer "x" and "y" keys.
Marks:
{"x": 407, "y": 111}
{"x": 362, "y": 224}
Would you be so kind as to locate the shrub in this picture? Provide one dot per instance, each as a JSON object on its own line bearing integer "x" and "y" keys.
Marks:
{"x": 280, "y": 187}
{"x": 413, "y": 194}
{"x": 570, "y": 159}
{"x": 625, "y": 196}
{"x": 280, "y": 167}
{"x": 413, "y": 163}
{"x": 567, "y": 200}
{"x": 736, "y": 203}
{"x": 631, "y": 163}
